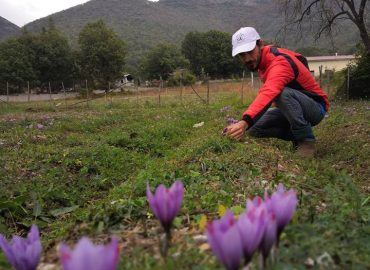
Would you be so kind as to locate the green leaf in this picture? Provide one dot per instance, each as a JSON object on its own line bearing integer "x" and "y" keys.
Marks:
{"x": 62, "y": 211}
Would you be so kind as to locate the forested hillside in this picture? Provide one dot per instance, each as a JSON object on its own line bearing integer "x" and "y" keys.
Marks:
{"x": 7, "y": 28}
{"x": 143, "y": 24}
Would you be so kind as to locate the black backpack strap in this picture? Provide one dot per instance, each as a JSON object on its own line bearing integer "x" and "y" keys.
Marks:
{"x": 275, "y": 51}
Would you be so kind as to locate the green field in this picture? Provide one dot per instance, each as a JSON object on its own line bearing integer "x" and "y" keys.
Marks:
{"x": 85, "y": 173}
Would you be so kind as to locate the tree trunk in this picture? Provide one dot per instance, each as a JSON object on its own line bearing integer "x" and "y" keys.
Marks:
{"x": 365, "y": 37}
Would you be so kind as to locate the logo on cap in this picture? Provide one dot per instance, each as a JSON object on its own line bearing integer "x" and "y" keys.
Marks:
{"x": 240, "y": 37}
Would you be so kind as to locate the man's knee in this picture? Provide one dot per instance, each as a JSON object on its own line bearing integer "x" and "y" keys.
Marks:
{"x": 254, "y": 132}
{"x": 285, "y": 95}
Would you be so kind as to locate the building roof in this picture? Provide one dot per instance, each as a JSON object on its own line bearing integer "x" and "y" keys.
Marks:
{"x": 330, "y": 58}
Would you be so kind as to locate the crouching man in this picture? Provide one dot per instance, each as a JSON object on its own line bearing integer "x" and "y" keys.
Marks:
{"x": 299, "y": 101}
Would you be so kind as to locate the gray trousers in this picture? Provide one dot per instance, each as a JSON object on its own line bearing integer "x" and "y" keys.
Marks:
{"x": 292, "y": 120}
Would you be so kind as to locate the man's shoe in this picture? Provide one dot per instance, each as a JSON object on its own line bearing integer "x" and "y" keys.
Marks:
{"x": 306, "y": 148}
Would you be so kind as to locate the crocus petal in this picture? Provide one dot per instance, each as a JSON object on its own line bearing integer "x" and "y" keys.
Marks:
{"x": 65, "y": 255}
{"x": 6, "y": 248}
{"x": 113, "y": 251}
{"x": 232, "y": 248}
{"x": 214, "y": 235}
{"x": 251, "y": 227}
{"x": 176, "y": 193}
{"x": 86, "y": 255}
{"x": 283, "y": 204}
{"x": 270, "y": 235}
{"x": 226, "y": 245}
{"x": 23, "y": 253}
{"x": 151, "y": 200}
{"x": 227, "y": 221}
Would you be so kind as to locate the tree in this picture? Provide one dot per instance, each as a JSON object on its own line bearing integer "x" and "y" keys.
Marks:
{"x": 210, "y": 52}
{"x": 324, "y": 15}
{"x": 53, "y": 56}
{"x": 162, "y": 60}
{"x": 102, "y": 53}
{"x": 16, "y": 63}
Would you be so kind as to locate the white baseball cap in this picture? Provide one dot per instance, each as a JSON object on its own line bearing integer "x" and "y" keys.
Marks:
{"x": 244, "y": 40}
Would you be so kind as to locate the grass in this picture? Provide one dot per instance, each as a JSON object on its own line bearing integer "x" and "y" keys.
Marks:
{"x": 86, "y": 171}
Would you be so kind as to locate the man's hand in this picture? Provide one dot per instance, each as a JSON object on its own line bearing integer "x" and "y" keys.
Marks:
{"x": 237, "y": 130}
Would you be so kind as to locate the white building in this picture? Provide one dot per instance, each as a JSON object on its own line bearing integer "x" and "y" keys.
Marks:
{"x": 332, "y": 63}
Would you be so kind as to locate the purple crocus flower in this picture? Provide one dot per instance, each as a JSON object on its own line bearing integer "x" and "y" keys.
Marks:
{"x": 166, "y": 202}
{"x": 23, "y": 253}
{"x": 283, "y": 204}
{"x": 231, "y": 121}
{"x": 225, "y": 109}
{"x": 86, "y": 255}
{"x": 251, "y": 226}
{"x": 224, "y": 238}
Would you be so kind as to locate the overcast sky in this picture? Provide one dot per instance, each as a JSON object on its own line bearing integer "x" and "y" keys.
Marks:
{"x": 21, "y": 12}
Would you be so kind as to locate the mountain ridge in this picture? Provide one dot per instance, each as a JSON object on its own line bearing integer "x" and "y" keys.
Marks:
{"x": 7, "y": 28}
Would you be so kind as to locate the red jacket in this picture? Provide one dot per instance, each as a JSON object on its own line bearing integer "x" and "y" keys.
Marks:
{"x": 280, "y": 68}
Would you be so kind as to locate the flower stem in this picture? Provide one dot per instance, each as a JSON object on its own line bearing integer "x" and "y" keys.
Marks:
{"x": 165, "y": 244}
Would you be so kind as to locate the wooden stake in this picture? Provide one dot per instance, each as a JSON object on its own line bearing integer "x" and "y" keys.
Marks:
{"x": 7, "y": 92}
{"x": 87, "y": 95}
{"x": 49, "y": 92}
{"x": 207, "y": 89}
{"x": 29, "y": 91}
{"x": 242, "y": 91}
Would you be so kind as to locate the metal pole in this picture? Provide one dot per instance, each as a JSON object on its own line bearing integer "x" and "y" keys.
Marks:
{"x": 252, "y": 80}
{"x": 137, "y": 92}
{"x": 159, "y": 90}
{"x": 207, "y": 89}
{"x": 29, "y": 91}
{"x": 7, "y": 92}
{"x": 87, "y": 94}
{"x": 106, "y": 93}
{"x": 65, "y": 94}
{"x": 49, "y": 92}
{"x": 242, "y": 91}
{"x": 348, "y": 83}
{"x": 181, "y": 85}
{"x": 111, "y": 96}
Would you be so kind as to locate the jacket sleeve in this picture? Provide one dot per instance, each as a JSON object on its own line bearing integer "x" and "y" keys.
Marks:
{"x": 279, "y": 74}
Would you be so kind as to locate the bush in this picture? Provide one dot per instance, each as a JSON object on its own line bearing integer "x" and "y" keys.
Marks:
{"x": 185, "y": 76}
{"x": 360, "y": 78}
{"x": 359, "y": 85}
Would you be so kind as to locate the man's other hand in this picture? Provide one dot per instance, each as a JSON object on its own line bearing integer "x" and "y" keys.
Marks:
{"x": 237, "y": 130}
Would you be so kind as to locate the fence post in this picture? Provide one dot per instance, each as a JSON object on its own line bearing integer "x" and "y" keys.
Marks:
{"x": 207, "y": 89}
{"x": 106, "y": 93}
{"x": 65, "y": 94}
{"x": 320, "y": 75}
{"x": 159, "y": 90}
{"x": 181, "y": 85}
{"x": 137, "y": 90}
{"x": 252, "y": 80}
{"x": 7, "y": 92}
{"x": 29, "y": 91}
{"x": 87, "y": 95}
{"x": 111, "y": 95}
{"x": 242, "y": 91}
{"x": 348, "y": 83}
{"x": 49, "y": 92}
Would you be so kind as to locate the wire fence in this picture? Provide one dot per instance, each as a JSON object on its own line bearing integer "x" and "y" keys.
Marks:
{"x": 204, "y": 92}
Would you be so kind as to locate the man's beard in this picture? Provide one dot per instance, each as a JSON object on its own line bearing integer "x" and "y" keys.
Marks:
{"x": 257, "y": 63}
{"x": 253, "y": 68}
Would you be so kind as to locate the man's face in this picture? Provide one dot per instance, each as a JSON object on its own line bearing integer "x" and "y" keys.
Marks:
{"x": 251, "y": 59}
